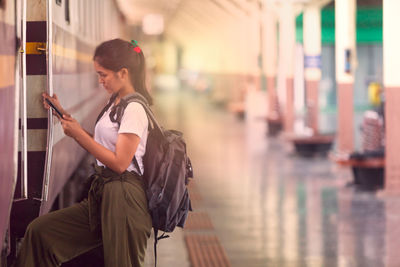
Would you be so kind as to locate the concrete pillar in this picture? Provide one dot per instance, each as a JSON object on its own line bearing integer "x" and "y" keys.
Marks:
{"x": 312, "y": 62}
{"x": 270, "y": 49}
{"x": 254, "y": 45}
{"x": 287, "y": 40}
{"x": 345, "y": 43}
{"x": 391, "y": 80}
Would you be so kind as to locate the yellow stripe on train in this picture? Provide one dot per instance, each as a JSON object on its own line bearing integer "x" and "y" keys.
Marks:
{"x": 71, "y": 53}
{"x": 38, "y": 48}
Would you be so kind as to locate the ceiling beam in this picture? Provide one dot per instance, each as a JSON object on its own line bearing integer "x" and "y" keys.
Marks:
{"x": 185, "y": 21}
{"x": 222, "y": 7}
{"x": 206, "y": 15}
{"x": 239, "y": 6}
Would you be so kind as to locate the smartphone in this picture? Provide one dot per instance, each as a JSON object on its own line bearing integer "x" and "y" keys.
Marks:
{"x": 54, "y": 107}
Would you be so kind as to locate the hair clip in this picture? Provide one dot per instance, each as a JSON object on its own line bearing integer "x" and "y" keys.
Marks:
{"x": 135, "y": 46}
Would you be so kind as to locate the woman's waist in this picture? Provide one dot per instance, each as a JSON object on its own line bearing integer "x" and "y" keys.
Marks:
{"x": 107, "y": 175}
{"x": 104, "y": 176}
{"x": 131, "y": 168}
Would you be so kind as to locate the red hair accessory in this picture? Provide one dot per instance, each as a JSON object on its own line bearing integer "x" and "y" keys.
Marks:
{"x": 135, "y": 46}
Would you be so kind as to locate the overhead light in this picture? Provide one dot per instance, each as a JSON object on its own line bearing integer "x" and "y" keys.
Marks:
{"x": 153, "y": 24}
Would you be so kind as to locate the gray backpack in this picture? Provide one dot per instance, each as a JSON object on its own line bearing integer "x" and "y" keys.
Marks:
{"x": 167, "y": 169}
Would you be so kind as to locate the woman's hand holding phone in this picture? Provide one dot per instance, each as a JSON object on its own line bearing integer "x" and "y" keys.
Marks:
{"x": 70, "y": 126}
{"x": 54, "y": 103}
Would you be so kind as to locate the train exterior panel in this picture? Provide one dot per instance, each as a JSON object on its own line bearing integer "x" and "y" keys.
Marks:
{"x": 8, "y": 111}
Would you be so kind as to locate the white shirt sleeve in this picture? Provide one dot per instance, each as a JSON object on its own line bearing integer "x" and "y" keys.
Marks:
{"x": 134, "y": 120}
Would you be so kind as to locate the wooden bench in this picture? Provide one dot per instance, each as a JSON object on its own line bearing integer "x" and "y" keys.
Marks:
{"x": 368, "y": 173}
{"x": 311, "y": 145}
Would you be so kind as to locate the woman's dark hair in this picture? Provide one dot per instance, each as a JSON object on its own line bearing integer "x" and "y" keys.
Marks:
{"x": 117, "y": 54}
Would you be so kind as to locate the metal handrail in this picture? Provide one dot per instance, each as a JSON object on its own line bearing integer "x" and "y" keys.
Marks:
{"x": 50, "y": 132}
{"x": 23, "y": 110}
{"x": 20, "y": 101}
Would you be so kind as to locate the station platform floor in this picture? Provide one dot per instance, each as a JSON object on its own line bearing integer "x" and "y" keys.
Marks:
{"x": 262, "y": 205}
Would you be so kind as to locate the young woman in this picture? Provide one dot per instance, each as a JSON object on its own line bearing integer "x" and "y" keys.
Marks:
{"x": 115, "y": 214}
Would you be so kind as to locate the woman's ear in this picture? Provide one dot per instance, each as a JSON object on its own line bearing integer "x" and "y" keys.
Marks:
{"x": 123, "y": 73}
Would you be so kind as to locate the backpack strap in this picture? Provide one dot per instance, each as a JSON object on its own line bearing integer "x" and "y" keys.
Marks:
{"x": 155, "y": 246}
{"x": 116, "y": 116}
{"x": 135, "y": 162}
{"x": 110, "y": 102}
{"x": 136, "y": 97}
{"x": 154, "y": 216}
{"x": 118, "y": 111}
{"x": 156, "y": 238}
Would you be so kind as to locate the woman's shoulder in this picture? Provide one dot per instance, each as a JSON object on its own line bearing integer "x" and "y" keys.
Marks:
{"x": 134, "y": 120}
{"x": 135, "y": 109}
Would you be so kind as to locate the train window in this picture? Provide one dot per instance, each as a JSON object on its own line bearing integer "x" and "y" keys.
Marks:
{"x": 67, "y": 17}
{"x": 58, "y": 2}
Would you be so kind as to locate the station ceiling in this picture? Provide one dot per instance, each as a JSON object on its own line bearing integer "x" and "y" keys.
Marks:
{"x": 135, "y": 10}
{"x": 190, "y": 17}
{"x": 201, "y": 24}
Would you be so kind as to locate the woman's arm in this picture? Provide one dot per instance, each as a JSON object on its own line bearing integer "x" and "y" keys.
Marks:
{"x": 119, "y": 160}
{"x": 125, "y": 149}
{"x": 56, "y": 102}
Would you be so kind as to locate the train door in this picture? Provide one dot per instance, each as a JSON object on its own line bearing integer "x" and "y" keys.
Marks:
{"x": 33, "y": 123}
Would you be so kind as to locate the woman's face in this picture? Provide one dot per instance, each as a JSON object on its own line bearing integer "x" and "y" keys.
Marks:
{"x": 108, "y": 78}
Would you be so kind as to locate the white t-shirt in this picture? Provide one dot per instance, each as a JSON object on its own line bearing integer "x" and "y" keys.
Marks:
{"x": 134, "y": 120}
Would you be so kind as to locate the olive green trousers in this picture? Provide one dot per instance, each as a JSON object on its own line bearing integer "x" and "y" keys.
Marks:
{"x": 61, "y": 235}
